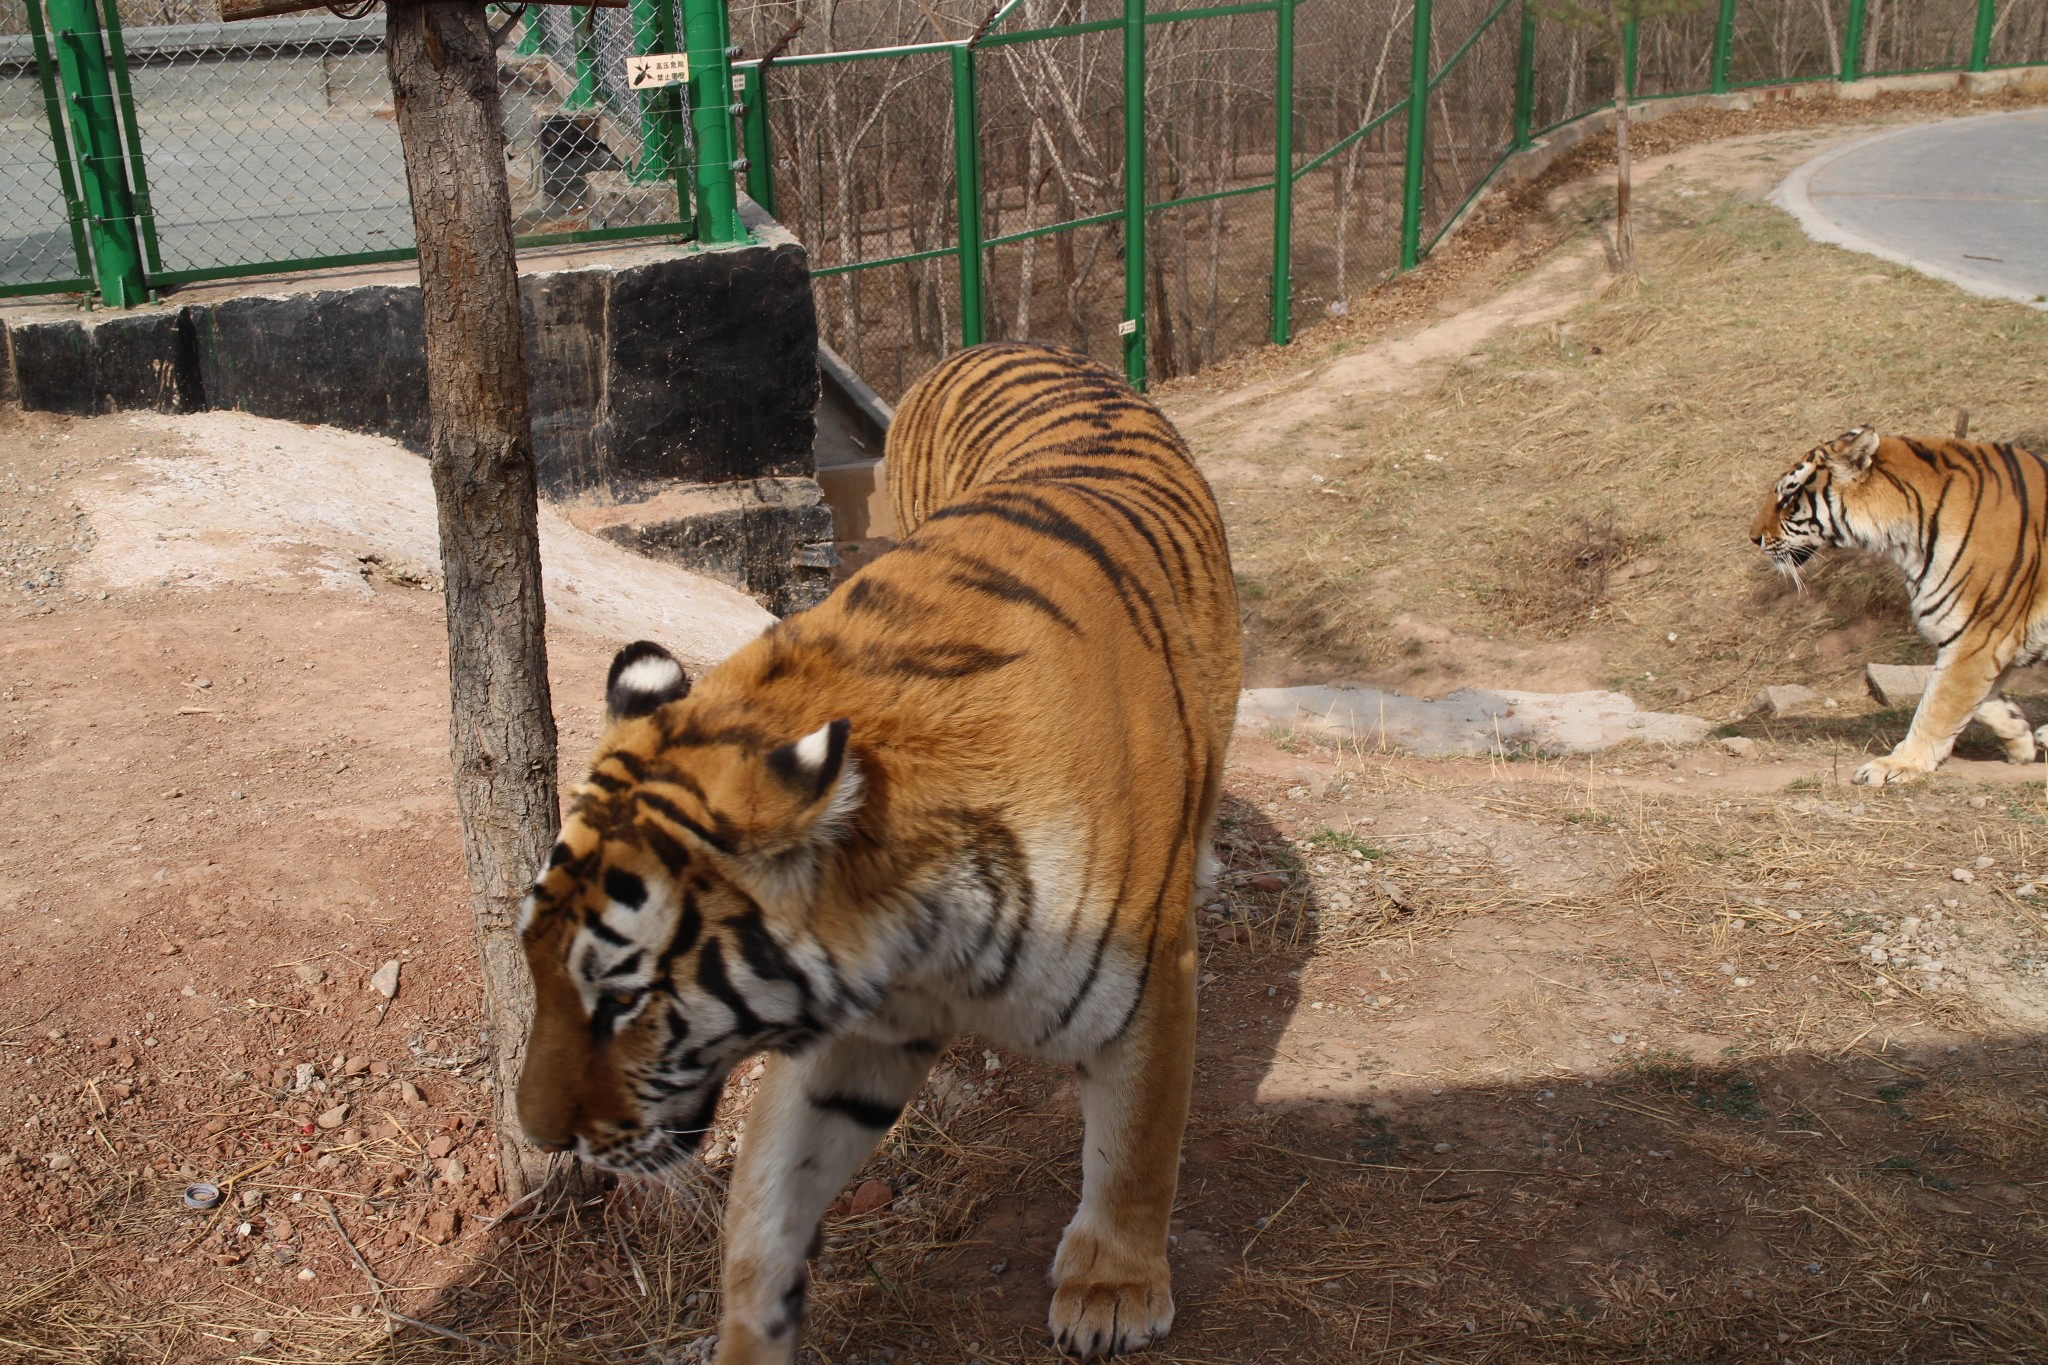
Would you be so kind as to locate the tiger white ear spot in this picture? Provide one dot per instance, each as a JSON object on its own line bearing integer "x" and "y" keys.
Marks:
{"x": 812, "y": 764}
{"x": 644, "y": 676}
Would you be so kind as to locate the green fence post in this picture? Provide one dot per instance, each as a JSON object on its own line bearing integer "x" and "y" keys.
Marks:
{"x": 1629, "y": 33}
{"x": 1418, "y": 137}
{"x": 1980, "y": 45}
{"x": 754, "y": 130}
{"x": 96, "y": 134}
{"x": 584, "y": 21}
{"x": 967, "y": 187}
{"x": 1132, "y": 327}
{"x": 1724, "y": 39}
{"x": 53, "y": 111}
{"x": 145, "y": 216}
{"x": 718, "y": 202}
{"x": 1525, "y": 79}
{"x": 1852, "y": 42}
{"x": 654, "y": 31}
{"x": 1283, "y": 176}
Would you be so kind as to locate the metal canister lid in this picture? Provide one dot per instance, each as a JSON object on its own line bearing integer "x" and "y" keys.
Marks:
{"x": 202, "y": 1196}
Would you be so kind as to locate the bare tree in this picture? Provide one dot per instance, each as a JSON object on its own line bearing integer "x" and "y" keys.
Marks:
{"x": 444, "y": 85}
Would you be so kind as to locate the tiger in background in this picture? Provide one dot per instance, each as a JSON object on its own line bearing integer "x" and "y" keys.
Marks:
{"x": 1964, "y": 521}
{"x": 972, "y": 790}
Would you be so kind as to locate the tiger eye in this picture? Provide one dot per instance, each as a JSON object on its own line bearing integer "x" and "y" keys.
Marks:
{"x": 621, "y": 998}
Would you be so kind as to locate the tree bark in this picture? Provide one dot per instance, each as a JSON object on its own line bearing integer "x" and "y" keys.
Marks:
{"x": 1624, "y": 229}
{"x": 444, "y": 85}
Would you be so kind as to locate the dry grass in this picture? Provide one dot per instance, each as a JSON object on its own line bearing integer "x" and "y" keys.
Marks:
{"x": 1658, "y": 414}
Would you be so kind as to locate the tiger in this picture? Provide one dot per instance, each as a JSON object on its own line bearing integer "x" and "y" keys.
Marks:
{"x": 971, "y": 790}
{"x": 1964, "y": 521}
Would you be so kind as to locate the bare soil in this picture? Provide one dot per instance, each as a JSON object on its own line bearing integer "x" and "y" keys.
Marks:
{"x": 1674, "y": 1056}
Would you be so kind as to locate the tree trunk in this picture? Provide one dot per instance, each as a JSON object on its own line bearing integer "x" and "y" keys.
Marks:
{"x": 444, "y": 84}
{"x": 1624, "y": 230}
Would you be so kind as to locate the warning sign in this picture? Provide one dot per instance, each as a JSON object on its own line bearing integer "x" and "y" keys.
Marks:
{"x": 657, "y": 69}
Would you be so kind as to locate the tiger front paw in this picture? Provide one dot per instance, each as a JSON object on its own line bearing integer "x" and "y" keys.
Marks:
{"x": 1104, "y": 1304}
{"x": 1890, "y": 769}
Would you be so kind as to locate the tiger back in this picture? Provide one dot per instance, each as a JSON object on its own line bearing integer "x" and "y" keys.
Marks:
{"x": 1966, "y": 522}
{"x": 972, "y": 790}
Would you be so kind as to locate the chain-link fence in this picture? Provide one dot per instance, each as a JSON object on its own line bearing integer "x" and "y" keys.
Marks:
{"x": 1159, "y": 182}
{"x": 859, "y": 118}
{"x": 270, "y": 144}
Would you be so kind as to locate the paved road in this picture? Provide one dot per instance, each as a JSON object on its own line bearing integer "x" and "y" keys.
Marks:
{"x": 1965, "y": 200}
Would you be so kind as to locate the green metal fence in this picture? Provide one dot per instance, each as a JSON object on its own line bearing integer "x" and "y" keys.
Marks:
{"x": 145, "y": 144}
{"x": 1160, "y": 182}
{"x": 1163, "y": 183}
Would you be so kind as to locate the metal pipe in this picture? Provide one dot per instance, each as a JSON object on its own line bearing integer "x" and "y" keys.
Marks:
{"x": 1980, "y": 43}
{"x": 1628, "y": 57}
{"x": 1525, "y": 79}
{"x": 1724, "y": 39}
{"x": 718, "y": 203}
{"x": 96, "y": 134}
{"x": 1418, "y": 136}
{"x": 1852, "y": 43}
{"x": 754, "y": 131}
{"x": 1133, "y": 325}
{"x": 1283, "y": 176}
{"x": 967, "y": 186}
{"x": 53, "y": 113}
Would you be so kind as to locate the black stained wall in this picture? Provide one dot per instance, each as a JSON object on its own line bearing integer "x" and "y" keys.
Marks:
{"x": 699, "y": 367}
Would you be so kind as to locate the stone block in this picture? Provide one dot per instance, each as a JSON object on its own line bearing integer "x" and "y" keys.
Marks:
{"x": 1785, "y": 699}
{"x": 1897, "y": 684}
{"x": 110, "y": 363}
{"x": 771, "y": 538}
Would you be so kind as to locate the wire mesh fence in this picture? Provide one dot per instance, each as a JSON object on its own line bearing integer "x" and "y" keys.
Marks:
{"x": 1159, "y": 182}
{"x": 271, "y": 144}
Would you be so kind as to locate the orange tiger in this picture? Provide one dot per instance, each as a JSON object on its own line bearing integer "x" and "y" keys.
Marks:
{"x": 972, "y": 790}
{"x": 1964, "y": 521}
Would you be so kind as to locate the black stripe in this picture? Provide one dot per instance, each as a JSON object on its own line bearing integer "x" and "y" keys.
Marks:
{"x": 712, "y": 979}
{"x": 673, "y": 812}
{"x": 867, "y": 1113}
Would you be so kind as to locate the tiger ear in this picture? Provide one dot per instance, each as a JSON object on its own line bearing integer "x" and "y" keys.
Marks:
{"x": 811, "y": 766}
{"x": 644, "y": 676}
{"x": 1853, "y": 451}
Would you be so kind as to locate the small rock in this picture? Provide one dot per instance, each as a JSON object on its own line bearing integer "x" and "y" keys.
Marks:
{"x": 202, "y": 683}
{"x": 1617, "y": 1038}
{"x": 168, "y": 950}
{"x": 1783, "y": 700}
{"x": 62, "y": 1161}
{"x": 259, "y": 1338}
{"x": 333, "y": 1118}
{"x": 355, "y": 1066}
{"x": 385, "y": 980}
{"x": 250, "y": 1199}
{"x": 302, "y": 1075}
{"x": 309, "y": 974}
{"x": 1266, "y": 881}
{"x": 410, "y": 1093}
{"x": 103, "y": 1042}
{"x": 278, "y": 1229}
{"x": 440, "y": 1147}
{"x": 442, "y": 1225}
{"x": 2029, "y": 889}
{"x": 1963, "y": 874}
{"x": 1985, "y": 860}
{"x": 1441, "y": 1148}
{"x": 453, "y": 1171}
{"x": 1897, "y": 684}
{"x": 872, "y": 1195}
{"x": 1738, "y": 746}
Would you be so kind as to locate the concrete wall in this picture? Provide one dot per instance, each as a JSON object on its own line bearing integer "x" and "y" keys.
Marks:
{"x": 658, "y": 370}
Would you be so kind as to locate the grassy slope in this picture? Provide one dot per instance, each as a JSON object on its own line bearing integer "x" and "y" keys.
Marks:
{"x": 1595, "y": 479}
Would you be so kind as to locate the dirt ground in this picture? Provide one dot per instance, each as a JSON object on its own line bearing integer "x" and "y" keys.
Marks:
{"x": 1679, "y": 1056}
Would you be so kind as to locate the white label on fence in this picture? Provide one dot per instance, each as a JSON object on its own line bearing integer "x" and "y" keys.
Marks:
{"x": 739, "y": 82}
{"x": 656, "y": 69}
{"x": 1126, "y": 327}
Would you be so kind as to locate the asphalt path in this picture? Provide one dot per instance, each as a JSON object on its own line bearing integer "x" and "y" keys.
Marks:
{"x": 1965, "y": 200}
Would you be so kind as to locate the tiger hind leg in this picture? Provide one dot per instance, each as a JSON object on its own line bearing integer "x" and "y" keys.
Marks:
{"x": 1111, "y": 1289}
{"x": 2009, "y": 723}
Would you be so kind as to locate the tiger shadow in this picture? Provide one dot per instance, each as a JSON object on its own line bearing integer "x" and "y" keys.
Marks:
{"x": 1868, "y": 734}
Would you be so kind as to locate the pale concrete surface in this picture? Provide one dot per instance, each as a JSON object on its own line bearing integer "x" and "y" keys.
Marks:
{"x": 1470, "y": 721}
{"x": 1964, "y": 200}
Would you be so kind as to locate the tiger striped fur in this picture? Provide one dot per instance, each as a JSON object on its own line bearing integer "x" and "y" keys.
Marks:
{"x": 972, "y": 790}
{"x": 1964, "y": 521}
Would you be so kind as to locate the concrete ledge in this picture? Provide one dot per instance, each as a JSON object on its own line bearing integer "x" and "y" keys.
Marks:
{"x": 1469, "y": 722}
{"x": 769, "y": 537}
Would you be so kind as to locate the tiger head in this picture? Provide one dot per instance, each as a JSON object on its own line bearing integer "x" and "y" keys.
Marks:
{"x": 1818, "y": 502}
{"x": 664, "y": 936}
